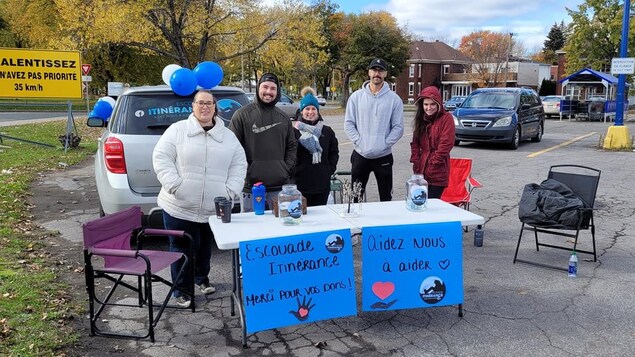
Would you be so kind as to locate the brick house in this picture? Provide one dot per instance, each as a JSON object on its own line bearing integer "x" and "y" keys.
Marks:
{"x": 428, "y": 63}
{"x": 437, "y": 64}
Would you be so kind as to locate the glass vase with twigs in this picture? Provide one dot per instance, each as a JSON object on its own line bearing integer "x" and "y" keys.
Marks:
{"x": 351, "y": 192}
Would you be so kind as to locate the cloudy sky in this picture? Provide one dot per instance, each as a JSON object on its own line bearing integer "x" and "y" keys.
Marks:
{"x": 449, "y": 20}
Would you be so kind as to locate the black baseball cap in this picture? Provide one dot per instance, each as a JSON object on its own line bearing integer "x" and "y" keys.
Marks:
{"x": 378, "y": 63}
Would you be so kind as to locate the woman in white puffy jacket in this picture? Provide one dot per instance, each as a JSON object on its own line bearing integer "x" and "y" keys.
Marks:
{"x": 196, "y": 160}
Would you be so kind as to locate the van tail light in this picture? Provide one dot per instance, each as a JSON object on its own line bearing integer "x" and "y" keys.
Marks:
{"x": 114, "y": 156}
{"x": 558, "y": 105}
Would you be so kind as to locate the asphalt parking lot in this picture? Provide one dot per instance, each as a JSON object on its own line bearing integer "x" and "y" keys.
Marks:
{"x": 510, "y": 309}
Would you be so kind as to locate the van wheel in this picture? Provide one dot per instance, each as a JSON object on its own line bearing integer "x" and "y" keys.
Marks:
{"x": 515, "y": 143}
{"x": 457, "y": 142}
{"x": 541, "y": 131}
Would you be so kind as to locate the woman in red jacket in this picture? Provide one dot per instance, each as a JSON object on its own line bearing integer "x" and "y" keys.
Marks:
{"x": 432, "y": 140}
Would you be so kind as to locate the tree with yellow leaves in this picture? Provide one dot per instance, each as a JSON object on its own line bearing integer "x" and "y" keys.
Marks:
{"x": 490, "y": 51}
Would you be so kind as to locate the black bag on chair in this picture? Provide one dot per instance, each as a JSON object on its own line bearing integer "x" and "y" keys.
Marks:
{"x": 551, "y": 203}
{"x": 564, "y": 202}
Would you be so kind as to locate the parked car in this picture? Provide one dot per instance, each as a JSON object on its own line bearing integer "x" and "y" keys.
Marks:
{"x": 500, "y": 115}
{"x": 288, "y": 106}
{"x": 321, "y": 100}
{"x": 551, "y": 105}
{"x": 123, "y": 163}
{"x": 454, "y": 102}
{"x": 251, "y": 96}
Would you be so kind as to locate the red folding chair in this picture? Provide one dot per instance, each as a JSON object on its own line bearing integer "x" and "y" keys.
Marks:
{"x": 109, "y": 255}
{"x": 461, "y": 185}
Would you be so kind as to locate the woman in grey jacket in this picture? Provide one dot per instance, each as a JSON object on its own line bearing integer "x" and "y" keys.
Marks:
{"x": 196, "y": 160}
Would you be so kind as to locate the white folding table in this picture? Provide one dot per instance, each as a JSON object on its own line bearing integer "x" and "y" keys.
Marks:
{"x": 394, "y": 213}
{"x": 248, "y": 226}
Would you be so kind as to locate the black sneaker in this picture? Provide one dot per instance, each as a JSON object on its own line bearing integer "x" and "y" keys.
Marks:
{"x": 207, "y": 288}
{"x": 183, "y": 301}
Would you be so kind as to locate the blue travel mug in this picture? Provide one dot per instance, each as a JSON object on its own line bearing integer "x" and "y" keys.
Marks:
{"x": 258, "y": 198}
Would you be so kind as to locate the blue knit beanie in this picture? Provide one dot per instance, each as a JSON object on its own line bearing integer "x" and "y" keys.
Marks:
{"x": 309, "y": 99}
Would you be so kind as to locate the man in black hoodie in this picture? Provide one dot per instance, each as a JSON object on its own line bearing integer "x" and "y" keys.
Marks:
{"x": 268, "y": 138}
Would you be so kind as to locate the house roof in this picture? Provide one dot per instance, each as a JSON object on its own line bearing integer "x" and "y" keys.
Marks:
{"x": 589, "y": 75}
{"x": 436, "y": 52}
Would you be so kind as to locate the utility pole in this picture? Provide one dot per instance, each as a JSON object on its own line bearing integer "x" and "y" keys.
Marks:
{"x": 509, "y": 50}
{"x": 242, "y": 72}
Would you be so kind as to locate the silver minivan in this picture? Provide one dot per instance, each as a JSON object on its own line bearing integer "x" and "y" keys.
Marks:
{"x": 123, "y": 162}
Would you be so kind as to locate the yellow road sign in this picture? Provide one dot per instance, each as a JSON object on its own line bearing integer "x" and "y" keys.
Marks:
{"x": 40, "y": 73}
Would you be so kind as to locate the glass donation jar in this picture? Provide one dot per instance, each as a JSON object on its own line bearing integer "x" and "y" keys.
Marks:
{"x": 290, "y": 205}
{"x": 416, "y": 193}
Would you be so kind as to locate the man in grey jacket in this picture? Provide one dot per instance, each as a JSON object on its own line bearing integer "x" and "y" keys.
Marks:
{"x": 374, "y": 123}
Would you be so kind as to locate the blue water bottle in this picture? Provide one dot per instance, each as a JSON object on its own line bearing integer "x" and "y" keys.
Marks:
{"x": 258, "y": 198}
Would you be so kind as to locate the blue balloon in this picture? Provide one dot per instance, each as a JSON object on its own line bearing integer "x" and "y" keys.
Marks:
{"x": 208, "y": 74}
{"x": 183, "y": 81}
{"x": 102, "y": 109}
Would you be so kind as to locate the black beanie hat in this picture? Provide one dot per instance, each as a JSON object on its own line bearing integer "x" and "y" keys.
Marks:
{"x": 269, "y": 77}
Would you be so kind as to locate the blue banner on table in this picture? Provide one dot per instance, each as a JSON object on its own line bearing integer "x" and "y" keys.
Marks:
{"x": 412, "y": 266}
{"x": 297, "y": 279}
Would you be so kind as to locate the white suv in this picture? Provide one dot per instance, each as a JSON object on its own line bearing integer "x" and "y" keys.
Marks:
{"x": 123, "y": 163}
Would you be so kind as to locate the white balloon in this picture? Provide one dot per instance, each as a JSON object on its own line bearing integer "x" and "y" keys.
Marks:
{"x": 167, "y": 72}
{"x": 110, "y": 100}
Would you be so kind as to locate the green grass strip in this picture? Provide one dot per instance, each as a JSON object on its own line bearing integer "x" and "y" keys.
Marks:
{"x": 35, "y": 308}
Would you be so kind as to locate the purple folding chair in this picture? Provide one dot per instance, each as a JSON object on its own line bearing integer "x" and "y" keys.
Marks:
{"x": 109, "y": 238}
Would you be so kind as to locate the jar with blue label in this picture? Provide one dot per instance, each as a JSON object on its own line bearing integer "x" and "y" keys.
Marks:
{"x": 290, "y": 205}
{"x": 416, "y": 193}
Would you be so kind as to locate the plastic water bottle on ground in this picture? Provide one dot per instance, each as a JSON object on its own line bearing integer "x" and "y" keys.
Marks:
{"x": 573, "y": 265}
{"x": 478, "y": 237}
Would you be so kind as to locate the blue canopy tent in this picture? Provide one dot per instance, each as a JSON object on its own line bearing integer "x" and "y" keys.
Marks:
{"x": 583, "y": 102}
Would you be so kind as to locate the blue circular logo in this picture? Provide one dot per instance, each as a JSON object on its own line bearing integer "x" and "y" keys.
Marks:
{"x": 295, "y": 209}
{"x": 226, "y": 108}
{"x": 432, "y": 290}
{"x": 334, "y": 243}
{"x": 418, "y": 195}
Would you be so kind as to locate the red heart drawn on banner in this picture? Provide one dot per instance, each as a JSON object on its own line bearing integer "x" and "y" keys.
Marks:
{"x": 383, "y": 290}
{"x": 303, "y": 312}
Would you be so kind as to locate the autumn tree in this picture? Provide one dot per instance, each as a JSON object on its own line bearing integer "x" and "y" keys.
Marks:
{"x": 284, "y": 37}
{"x": 297, "y": 53}
{"x": 360, "y": 38}
{"x": 326, "y": 12}
{"x": 490, "y": 51}
{"x": 6, "y": 37}
{"x": 595, "y": 35}
{"x": 184, "y": 31}
{"x": 30, "y": 23}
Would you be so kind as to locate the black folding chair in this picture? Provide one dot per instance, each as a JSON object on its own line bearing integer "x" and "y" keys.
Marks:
{"x": 583, "y": 181}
